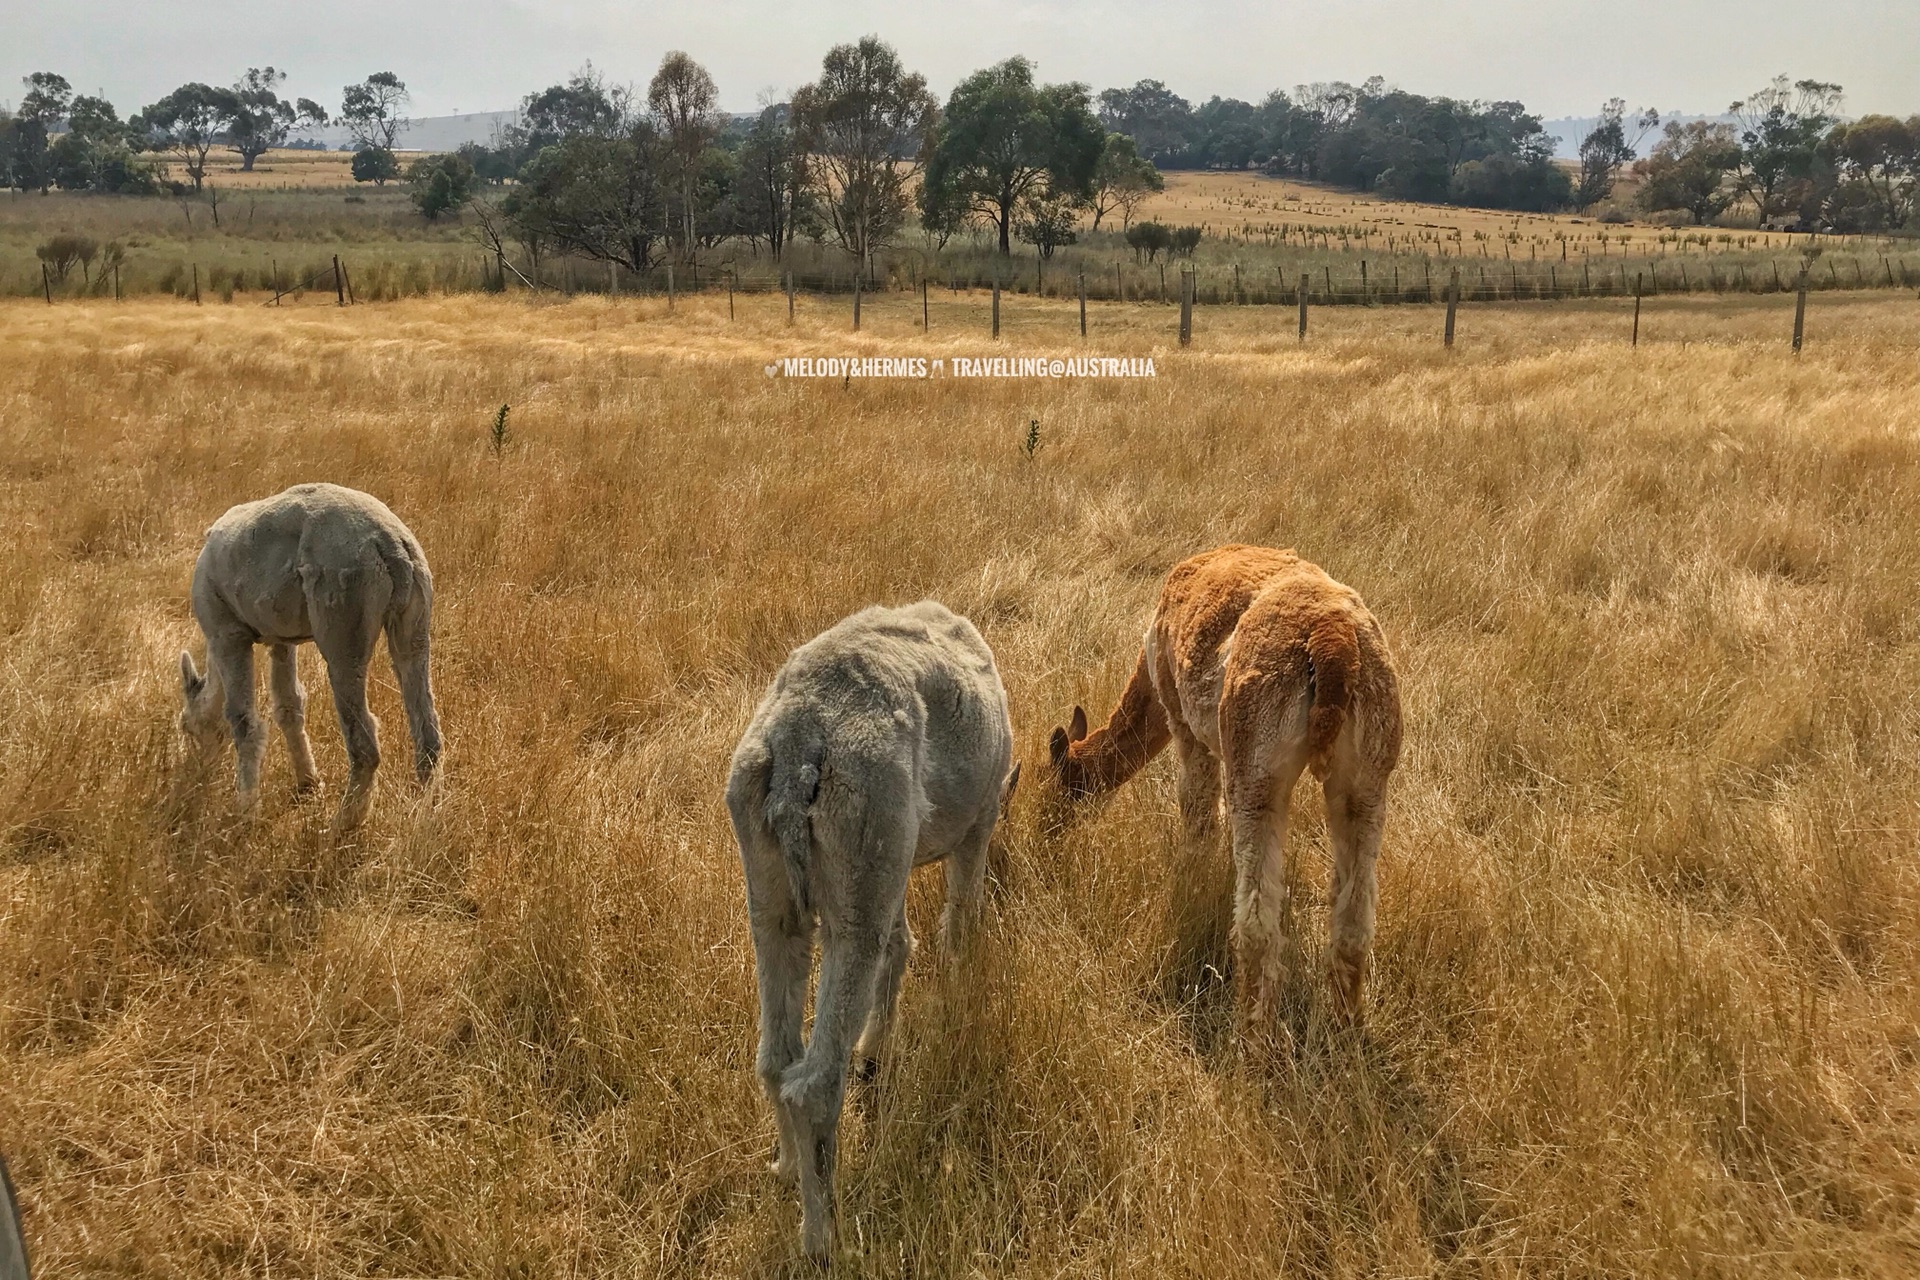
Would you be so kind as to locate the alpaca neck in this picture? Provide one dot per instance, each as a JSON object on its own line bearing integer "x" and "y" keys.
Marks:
{"x": 1132, "y": 735}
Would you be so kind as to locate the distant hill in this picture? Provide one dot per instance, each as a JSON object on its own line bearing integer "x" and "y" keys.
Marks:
{"x": 441, "y": 133}
{"x": 433, "y": 133}
{"x": 1570, "y": 129}
{"x": 444, "y": 133}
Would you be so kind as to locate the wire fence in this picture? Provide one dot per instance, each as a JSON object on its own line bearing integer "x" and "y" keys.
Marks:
{"x": 1353, "y": 282}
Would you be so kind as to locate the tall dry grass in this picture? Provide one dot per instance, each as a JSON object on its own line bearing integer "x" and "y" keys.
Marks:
{"x": 1643, "y": 997}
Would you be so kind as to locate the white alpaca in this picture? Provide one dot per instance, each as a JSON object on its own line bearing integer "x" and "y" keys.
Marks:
{"x": 321, "y": 563}
{"x": 883, "y": 745}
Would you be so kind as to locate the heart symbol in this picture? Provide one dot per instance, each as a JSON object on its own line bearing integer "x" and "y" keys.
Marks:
{"x": 772, "y": 369}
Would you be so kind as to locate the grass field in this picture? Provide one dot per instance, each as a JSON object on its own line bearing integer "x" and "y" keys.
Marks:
{"x": 1642, "y": 999}
{"x": 286, "y": 221}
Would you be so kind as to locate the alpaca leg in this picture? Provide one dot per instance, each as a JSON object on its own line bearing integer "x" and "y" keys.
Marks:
{"x": 886, "y": 997}
{"x": 347, "y": 616}
{"x": 815, "y": 1088}
{"x": 1199, "y": 785}
{"x": 1355, "y": 816}
{"x": 362, "y": 732}
{"x": 289, "y": 710}
{"x": 1257, "y": 803}
{"x": 783, "y": 958}
{"x": 231, "y": 656}
{"x": 407, "y": 646}
{"x": 856, "y": 932}
{"x": 782, "y": 953}
{"x": 966, "y": 879}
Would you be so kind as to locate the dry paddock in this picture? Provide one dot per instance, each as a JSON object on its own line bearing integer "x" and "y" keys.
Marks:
{"x": 1643, "y": 999}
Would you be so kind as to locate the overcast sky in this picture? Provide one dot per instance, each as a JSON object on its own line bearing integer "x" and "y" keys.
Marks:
{"x": 1560, "y": 57}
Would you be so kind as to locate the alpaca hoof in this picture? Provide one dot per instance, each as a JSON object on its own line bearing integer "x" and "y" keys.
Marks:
{"x": 868, "y": 1071}
{"x": 308, "y": 790}
{"x": 817, "y": 1244}
{"x": 786, "y": 1171}
{"x": 352, "y": 813}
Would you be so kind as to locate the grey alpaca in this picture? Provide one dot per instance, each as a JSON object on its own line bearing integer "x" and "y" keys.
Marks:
{"x": 323, "y": 563}
{"x": 883, "y": 745}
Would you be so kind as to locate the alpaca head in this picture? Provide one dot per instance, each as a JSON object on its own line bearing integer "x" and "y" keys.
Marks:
{"x": 1072, "y": 775}
{"x": 200, "y": 717}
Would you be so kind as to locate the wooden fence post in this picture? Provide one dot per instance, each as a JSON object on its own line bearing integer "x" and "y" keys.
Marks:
{"x": 1800, "y": 313}
{"x": 731, "y": 273}
{"x": 789, "y": 275}
{"x": 1453, "y": 304}
{"x": 1636, "y": 309}
{"x": 924, "y": 326}
{"x": 196, "y": 284}
{"x": 348, "y": 277}
{"x": 1083, "y": 304}
{"x": 669, "y": 288}
{"x": 46, "y": 283}
{"x": 996, "y": 302}
{"x": 1303, "y": 306}
{"x": 856, "y": 301}
{"x": 116, "y": 282}
{"x": 1119, "y": 291}
{"x": 1186, "y": 306}
{"x": 339, "y": 284}
{"x": 274, "y": 262}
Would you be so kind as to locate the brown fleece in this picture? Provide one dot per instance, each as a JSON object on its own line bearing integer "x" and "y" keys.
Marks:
{"x": 1262, "y": 656}
{"x": 1334, "y": 652}
{"x": 1289, "y": 625}
{"x": 1134, "y": 734}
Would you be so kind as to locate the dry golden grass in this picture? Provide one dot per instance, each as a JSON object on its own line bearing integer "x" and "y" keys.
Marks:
{"x": 1250, "y": 203}
{"x": 284, "y": 167}
{"x": 1643, "y": 997}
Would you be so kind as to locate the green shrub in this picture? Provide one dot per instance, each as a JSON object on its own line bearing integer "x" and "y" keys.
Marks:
{"x": 375, "y": 165}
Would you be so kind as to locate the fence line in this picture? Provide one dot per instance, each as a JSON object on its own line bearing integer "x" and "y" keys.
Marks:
{"x": 1223, "y": 284}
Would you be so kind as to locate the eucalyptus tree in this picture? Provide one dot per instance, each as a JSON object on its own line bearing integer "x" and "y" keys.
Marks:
{"x": 864, "y": 129}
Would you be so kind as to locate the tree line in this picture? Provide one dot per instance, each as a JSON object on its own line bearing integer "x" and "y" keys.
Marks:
{"x": 78, "y": 142}
{"x": 855, "y": 157}
{"x": 1790, "y": 157}
{"x": 865, "y": 150}
{"x": 1786, "y": 154}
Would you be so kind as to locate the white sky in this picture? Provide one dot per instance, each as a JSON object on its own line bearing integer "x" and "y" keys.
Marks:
{"x": 1560, "y": 57}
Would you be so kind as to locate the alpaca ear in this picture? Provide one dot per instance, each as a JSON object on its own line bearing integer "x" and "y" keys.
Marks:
{"x": 191, "y": 680}
{"x": 1057, "y": 747}
{"x": 1077, "y": 727}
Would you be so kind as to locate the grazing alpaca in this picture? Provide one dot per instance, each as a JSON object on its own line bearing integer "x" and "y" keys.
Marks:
{"x": 320, "y": 563}
{"x": 1258, "y": 665}
{"x": 882, "y": 745}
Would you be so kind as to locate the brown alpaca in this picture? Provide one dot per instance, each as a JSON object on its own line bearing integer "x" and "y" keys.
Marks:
{"x": 1258, "y": 665}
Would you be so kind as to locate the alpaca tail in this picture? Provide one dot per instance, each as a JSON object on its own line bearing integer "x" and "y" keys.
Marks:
{"x": 1333, "y": 658}
{"x": 791, "y": 788}
{"x": 406, "y": 566}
